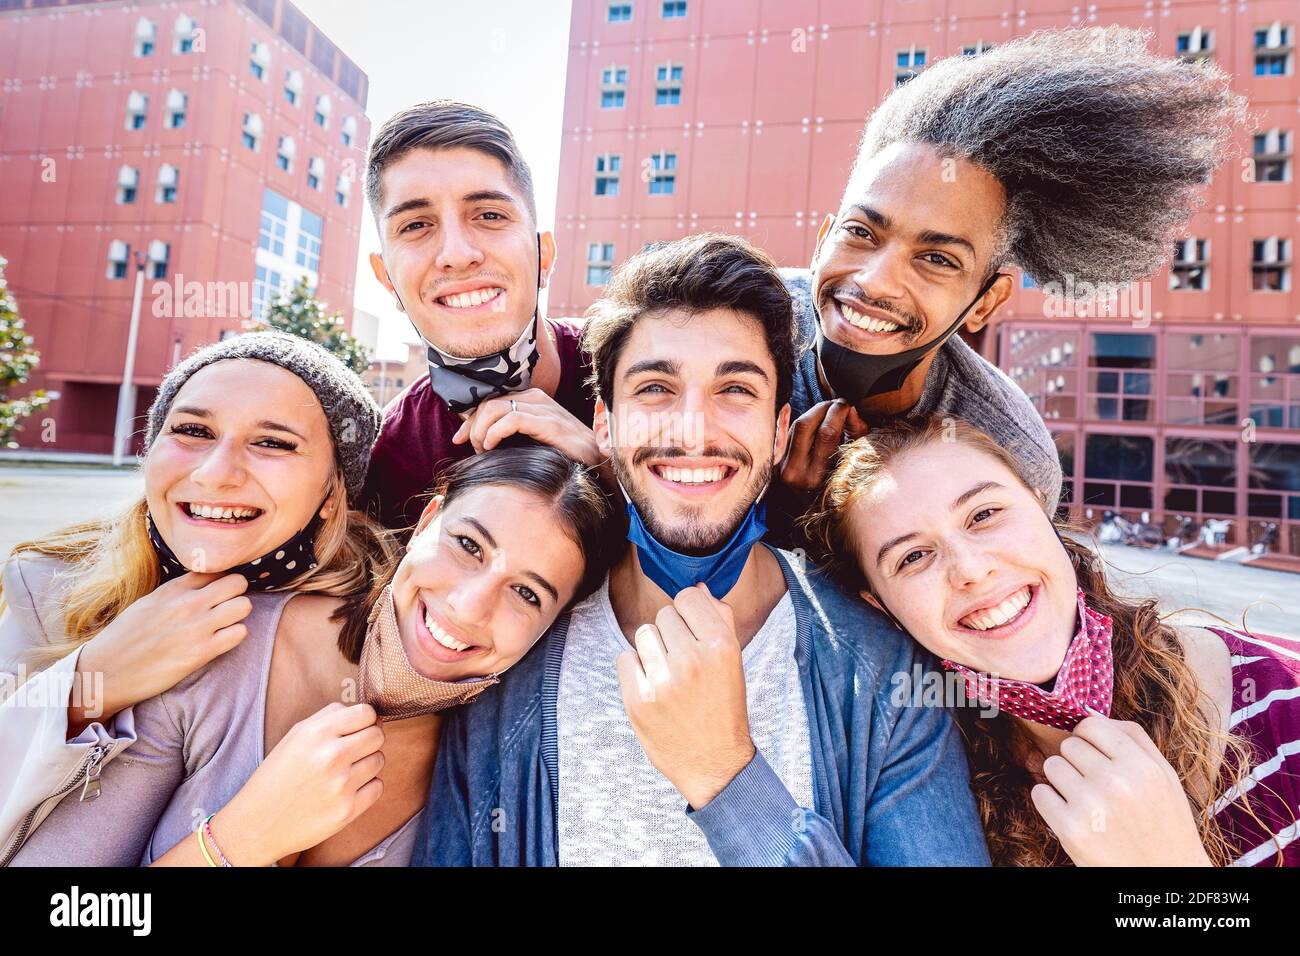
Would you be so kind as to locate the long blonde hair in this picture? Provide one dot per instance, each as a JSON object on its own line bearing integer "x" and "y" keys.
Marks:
{"x": 1154, "y": 685}
{"x": 112, "y": 564}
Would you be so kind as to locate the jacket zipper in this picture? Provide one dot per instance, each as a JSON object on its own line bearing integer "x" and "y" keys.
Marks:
{"x": 88, "y": 774}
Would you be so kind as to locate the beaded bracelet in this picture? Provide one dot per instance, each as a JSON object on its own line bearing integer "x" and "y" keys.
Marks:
{"x": 207, "y": 829}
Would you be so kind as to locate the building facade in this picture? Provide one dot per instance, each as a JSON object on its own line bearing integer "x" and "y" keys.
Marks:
{"x": 217, "y": 145}
{"x": 743, "y": 116}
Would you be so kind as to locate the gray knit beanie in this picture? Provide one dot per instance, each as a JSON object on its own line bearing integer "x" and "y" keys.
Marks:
{"x": 353, "y": 415}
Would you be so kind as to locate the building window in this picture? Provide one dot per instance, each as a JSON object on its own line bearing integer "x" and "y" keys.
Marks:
{"x": 600, "y": 263}
{"x": 128, "y": 178}
{"x": 1275, "y": 381}
{"x": 259, "y": 59}
{"x": 177, "y": 102}
{"x": 1194, "y": 44}
{"x": 252, "y": 131}
{"x": 1201, "y": 383}
{"x": 267, "y": 285}
{"x": 315, "y": 172}
{"x": 1118, "y": 471}
{"x": 1044, "y": 363}
{"x": 285, "y": 153}
{"x": 668, "y": 85}
{"x": 184, "y": 34}
{"x": 168, "y": 176}
{"x": 137, "y": 109}
{"x": 1274, "y": 483}
{"x": 1190, "y": 271}
{"x": 342, "y": 189}
{"x": 1272, "y": 156}
{"x": 613, "y": 87}
{"x": 663, "y": 178}
{"x": 159, "y": 252}
{"x": 1273, "y": 50}
{"x": 976, "y": 48}
{"x": 619, "y": 13}
{"x": 146, "y": 37}
{"x": 118, "y": 255}
{"x": 910, "y": 62}
{"x": 608, "y": 166}
{"x": 674, "y": 9}
{"x": 1200, "y": 475}
{"x": 275, "y": 223}
{"x": 324, "y": 105}
{"x": 1120, "y": 368}
{"x": 1270, "y": 264}
{"x": 309, "y": 235}
{"x": 292, "y": 87}
{"x": 349, "y": 131}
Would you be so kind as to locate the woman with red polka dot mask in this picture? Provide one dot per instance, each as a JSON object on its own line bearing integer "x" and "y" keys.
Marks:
{"x": 1098, "y": 734}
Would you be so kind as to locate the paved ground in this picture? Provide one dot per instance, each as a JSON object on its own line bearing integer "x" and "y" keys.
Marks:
{"x": 35, "y": 500}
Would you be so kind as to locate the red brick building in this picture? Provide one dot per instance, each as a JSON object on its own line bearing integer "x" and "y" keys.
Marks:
{"x": 218, "y": 143}
{"x": 743, "y": 116}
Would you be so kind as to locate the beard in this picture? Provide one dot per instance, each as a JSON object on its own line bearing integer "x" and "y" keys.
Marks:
{"x": 686, "y": 530}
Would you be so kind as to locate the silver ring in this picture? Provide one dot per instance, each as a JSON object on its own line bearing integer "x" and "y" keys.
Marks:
{"x": 513, "y": 407}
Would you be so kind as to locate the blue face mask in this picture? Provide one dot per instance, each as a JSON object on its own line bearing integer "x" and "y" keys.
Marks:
{"x": 674, "y": 573}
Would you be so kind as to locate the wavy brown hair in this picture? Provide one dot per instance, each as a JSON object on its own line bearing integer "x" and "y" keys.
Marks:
{"x": 1154, "y": 685}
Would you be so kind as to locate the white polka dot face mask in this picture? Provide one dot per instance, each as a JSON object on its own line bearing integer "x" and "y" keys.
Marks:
{"x": 274, "y": 569}
{"x": 1084, "y": 683}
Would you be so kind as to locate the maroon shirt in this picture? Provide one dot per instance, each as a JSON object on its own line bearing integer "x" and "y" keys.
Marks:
{"x": 414, "y": 444}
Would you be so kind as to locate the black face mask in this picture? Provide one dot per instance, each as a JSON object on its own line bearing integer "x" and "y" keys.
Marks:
{"x": 274, "y": 569}
{"x": 855, "y": 377}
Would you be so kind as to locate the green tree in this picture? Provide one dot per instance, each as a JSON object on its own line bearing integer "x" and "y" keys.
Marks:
{"x": 302, "y": 314}
{"x": 17, "y": 359}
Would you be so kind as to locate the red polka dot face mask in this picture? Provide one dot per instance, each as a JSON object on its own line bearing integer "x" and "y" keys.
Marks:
{"x": 1084, "y": 683}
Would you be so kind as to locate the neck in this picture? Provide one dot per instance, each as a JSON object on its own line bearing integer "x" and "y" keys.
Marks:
{"x": 1043, "y": 742}
{"x": 547, "y": 374}
{"x": 637, "y": 600}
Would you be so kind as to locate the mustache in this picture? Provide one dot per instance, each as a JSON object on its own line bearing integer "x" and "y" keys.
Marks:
{"x": 430, "y": 289}
{"x": 910, "y": 320}
{"x": 736, "y": 455}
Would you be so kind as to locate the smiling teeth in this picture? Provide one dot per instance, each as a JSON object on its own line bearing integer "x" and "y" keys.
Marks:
{"x": 466, "y": 300}
{"x": 693, "y": 476}
{"x": 860, "y": 321}
{"x": 221, "y": 514}
{"x": 1005, "y": 612}
{"x": 442, "y": 637}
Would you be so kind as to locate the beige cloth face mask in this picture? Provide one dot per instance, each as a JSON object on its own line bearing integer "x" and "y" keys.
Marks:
{"x": 391, "y": 685}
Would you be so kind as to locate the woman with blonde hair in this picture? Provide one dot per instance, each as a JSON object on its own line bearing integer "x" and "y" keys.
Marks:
{"x": 255, "y": 447}
{"x": 1098, "y": 732}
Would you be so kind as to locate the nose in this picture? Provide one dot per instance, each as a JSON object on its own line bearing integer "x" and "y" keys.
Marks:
{"x": 221, "y": 467}
{"x": 458, "y": 251}
{"x": 969, "y": 563}
{"x": 472, "y": 600}
{"x": 880, "y": 275}
{"x": 692, "y": 422}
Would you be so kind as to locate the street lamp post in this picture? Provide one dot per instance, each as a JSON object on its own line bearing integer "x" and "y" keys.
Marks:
{"x": 126, "y": 394}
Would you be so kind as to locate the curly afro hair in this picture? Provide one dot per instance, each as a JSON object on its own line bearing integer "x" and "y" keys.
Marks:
{"x": 1102, "y": 146}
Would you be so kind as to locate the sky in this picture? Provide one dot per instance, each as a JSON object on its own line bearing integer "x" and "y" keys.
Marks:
{"x": 507, "y": 56}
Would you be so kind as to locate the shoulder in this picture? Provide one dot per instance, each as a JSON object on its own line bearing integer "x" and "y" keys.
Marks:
{"x": 798, "y": 282}
{"x": 841, "y": 624}
{"x": 991, "y": 401}
{"x": 33, "y": 586}
{"x": 1210, "y": 659}
{"x": 568, "y": 332}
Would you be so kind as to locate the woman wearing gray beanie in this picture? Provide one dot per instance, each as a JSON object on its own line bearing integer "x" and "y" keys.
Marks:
{"x": 255, "y": 448}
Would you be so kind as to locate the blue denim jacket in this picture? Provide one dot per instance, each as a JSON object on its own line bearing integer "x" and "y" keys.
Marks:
{"x": 891, "y": 782}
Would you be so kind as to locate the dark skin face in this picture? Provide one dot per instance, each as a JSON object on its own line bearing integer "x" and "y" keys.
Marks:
{"x": 912, "y": 244}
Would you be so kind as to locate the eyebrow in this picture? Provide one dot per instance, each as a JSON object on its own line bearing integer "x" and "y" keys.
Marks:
{"x": 663, "y": 366}
{"x": 533, "y": 575}
{"x": 960, "y": 500}
{"x": 264, "y": 423}
{"x": 929, "y": 236}
{"x": 478, "y": 195}
{"x": 741, "y": 367}
{"x": 671, "y": 367}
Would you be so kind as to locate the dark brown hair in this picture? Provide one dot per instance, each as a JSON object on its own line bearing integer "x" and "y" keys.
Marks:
{"x": 695, "y": 274}
{"x": 572, "y": 491}
{"x": 446, "y": 124}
